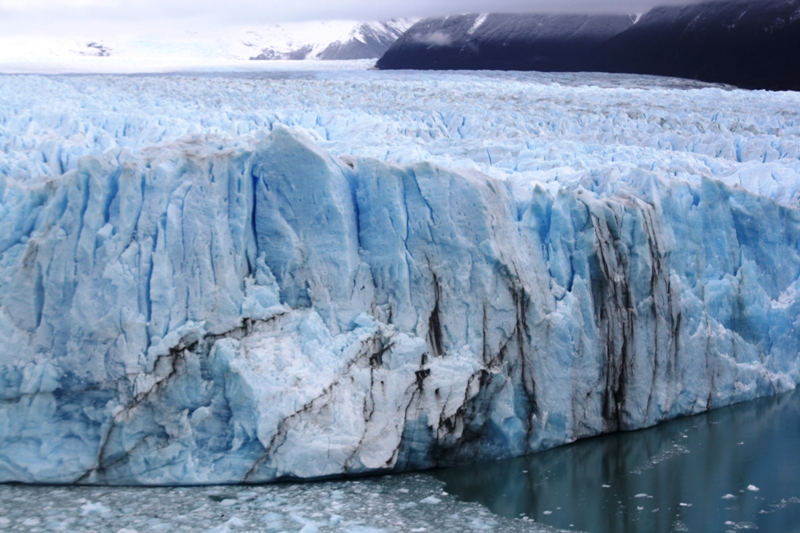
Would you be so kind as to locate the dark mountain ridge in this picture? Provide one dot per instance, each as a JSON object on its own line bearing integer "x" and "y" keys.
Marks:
{"x": 503, "y": 42}
{"x": 750, "y": 44}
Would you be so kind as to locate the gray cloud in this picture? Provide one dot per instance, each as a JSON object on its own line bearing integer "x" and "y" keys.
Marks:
{"x": 79, "y": 15}
{"x": 437, "y": 38}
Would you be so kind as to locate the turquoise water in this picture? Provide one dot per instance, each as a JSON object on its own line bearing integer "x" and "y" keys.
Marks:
{"x": 731, "y": 469}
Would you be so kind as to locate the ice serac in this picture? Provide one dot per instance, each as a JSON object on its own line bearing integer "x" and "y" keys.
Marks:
{"x": 192, "y": 315}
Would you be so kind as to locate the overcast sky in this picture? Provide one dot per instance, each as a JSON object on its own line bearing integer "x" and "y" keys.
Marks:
{"x": 67, "y": 16}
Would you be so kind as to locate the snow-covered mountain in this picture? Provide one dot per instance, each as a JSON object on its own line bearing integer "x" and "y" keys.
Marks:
{"x": 149, "y": 50}
{"x": 339, "y": 39}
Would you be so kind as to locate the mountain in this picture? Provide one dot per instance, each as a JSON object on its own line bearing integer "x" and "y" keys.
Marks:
{"x": 750, "y": 44}
{"x": 504, "y": 42}
{"x": 202, "y": 47}
{"x": 326, "y": 39}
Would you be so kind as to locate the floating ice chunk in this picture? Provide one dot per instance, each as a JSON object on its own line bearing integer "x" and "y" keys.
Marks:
{"x": 273, "y": 520}
{"x": 741, "y": 525}
{"x": 752, "y": 488}
{"x": 729, "y": 497}
{"x": 89, "y": 508}
{"x": 431, "y": 500}
{"x": 235, "y": 521}
{"x": 642, "y": 495}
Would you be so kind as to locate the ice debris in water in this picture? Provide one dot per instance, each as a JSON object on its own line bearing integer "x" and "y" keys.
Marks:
{"x": 324, "y": 507}
{"x": 224, "y": 280}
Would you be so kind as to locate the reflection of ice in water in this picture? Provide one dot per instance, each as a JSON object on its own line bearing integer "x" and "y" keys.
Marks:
{"x": 397, "y": 503}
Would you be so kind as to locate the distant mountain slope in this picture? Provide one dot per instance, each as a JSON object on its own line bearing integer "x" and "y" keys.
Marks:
{"x": 504, "y": 41}
{"x": 148, "y": 48}
{"x": 338, "y": 39}
{"x": 751, "y": 44}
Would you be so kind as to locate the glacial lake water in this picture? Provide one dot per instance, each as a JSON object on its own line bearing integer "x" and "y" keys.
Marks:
{"x": 731, "y": 469}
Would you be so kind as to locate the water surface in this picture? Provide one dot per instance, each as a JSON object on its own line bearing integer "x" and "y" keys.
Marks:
{"x": 731, "y": 469}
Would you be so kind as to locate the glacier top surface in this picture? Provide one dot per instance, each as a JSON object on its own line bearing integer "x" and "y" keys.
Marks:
{"x": 557, "y": 130}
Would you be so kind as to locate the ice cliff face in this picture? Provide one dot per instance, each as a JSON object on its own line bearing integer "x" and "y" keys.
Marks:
{"x": 205, "y": 311}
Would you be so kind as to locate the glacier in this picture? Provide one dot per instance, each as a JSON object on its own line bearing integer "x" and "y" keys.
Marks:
{"x": 227, "y": 279}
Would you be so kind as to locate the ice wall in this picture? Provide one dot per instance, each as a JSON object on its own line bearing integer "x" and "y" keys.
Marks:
{"x": 200, "y": 313}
